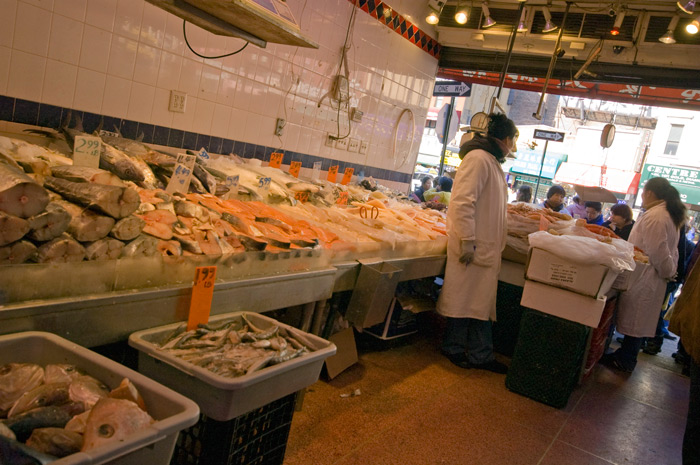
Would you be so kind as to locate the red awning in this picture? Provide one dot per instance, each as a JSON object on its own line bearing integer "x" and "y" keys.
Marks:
{"x": 620, "y": 181}
{"x": 639, "y": 95}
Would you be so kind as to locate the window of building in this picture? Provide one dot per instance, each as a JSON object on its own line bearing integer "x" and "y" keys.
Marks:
{"x": 430, "y": 123}
{"x": 674, "y": 138}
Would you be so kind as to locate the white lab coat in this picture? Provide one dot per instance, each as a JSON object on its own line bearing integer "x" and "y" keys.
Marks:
{"x": 477, "y": 212}
{"x": 640, "y": 305}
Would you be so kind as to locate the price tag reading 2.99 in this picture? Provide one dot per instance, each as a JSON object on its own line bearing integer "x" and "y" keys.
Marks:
{"x": 332, "y": 173}
{"x": 86, "y": 151}
{"x": 202, "y": 293}
{"x": 294, "y": 168}
{"x": 276, "y": 159}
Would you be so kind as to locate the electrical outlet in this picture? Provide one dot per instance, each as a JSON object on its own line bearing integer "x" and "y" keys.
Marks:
{"x": 353, "y": 145}
{"x": 330, "y": 142}
{"x": 177, "y": 101}
{"x": 279, "y": 129}
{"x": 356, "y": 115}
{"x": 341, "y": 144}
{"x": 363, "y": 147}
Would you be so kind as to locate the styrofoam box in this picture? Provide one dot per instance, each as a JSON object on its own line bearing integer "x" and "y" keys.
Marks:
{"x": 626, "y": 279}
{"x": 220, "y": 397}
{"x": 562, "y": 303}
{"x": 153, "y": 445}
{"x": 548, "y": 268}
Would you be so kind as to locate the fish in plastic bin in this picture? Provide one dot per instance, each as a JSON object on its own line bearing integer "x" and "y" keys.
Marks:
{"x": 55, "y": 441}
{"x": 15, "y": 380}
{"x": 113, "y": 420}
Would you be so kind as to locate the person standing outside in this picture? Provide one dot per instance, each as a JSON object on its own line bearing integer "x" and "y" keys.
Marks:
{"x": 555, "y": 200}
{"x": 656, "y": 232}
{"x": 594, "y": 213}
{"x": 426, "y": 183}
{"x": 576, "y": 208}
{"x": 476, "y": 236}
{"x": 524, "y": 194}
{"x": 620, "y": 221}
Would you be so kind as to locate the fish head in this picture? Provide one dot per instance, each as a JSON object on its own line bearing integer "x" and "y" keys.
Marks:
{"x": 16, "y": 379}
{"x": 113, "y": 420}
{"x": 41, "y": 396}
{"x": 60, "y": 373}
{"x": 86, "y": 390}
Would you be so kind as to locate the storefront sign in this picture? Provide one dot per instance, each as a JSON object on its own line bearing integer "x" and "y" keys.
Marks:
{"x": 687, "y": 181}
{"x": 528, "y": 162}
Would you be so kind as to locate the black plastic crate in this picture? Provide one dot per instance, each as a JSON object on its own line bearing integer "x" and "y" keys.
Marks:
{"x": 258, "y": 437}
{"x": 547, "y": 359}
{"x": 509, "y": 312}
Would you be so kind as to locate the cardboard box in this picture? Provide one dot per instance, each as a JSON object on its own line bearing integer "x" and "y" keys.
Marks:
{"x": 590, "y": 280}
{"x": 510, "y": 254}
{"x": 562, "y": 303}
{"x": 626, "y": 279}
{"x": 373, "y": 293}
{"x": 346, "y": 354}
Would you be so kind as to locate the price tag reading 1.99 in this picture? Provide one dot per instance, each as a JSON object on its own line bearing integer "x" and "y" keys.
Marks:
{"x": 86, "y": 151}
{"x": 295, "y": 168}
{"x": 202, "y": 293}
{"x": 276, "y": 159}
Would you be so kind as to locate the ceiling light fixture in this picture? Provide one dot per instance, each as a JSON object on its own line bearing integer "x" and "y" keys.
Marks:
{"x": 688, "y": 7}
{"x": 432, "y": 18}
{"x": 488, "y": 20}
{"x": 615, "y": 31}
{"x": 522, "y": 24}
{"x": 668, "y": 37}
{"x": 693, "y": 26}
{"x": 462, "y": 14}
{"x": 548, "y": 25}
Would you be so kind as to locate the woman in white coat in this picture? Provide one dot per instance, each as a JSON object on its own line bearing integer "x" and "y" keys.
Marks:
{"x": 476, "y": 236}
{"x": 656, "y": 233}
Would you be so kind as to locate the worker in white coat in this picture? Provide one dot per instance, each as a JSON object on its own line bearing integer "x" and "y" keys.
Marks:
{"x": 656, "y": 233}
{"x": 476, "y": 236}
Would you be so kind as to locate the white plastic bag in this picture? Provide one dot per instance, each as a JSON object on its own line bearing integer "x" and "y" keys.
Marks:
{"x": 617, "y": 255}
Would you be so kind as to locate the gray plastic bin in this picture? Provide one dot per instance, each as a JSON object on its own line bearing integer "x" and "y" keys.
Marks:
{"x": 220, "y": 397}
{"x": 373, "y": 293}
{"x": 153, "y": 445}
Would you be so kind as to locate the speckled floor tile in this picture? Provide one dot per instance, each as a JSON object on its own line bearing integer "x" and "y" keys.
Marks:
{"x": 565, "y": 454}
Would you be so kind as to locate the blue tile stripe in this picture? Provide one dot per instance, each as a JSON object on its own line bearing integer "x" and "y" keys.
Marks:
{"x": 49, "y": 116}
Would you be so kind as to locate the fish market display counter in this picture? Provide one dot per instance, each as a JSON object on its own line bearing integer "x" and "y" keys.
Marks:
{"x": 96, "y": 303}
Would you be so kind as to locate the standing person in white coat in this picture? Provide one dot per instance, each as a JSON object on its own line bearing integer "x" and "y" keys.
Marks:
{"x": 656, "y": 232}
{"x": 476, "y": 236}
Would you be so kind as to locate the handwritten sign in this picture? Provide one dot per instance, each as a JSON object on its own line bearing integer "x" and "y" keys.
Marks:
{"x": 180, "y": 180}
{"x": 332, "y": 173}
{"x": 86, "y": 151}
{"x": 264, "y": 183}
{"x": 202, "y": 293}
{"x": 203, "y": 155}
{"x": 347, "y": 176}
{"x": 276, "y": 159}
{"x": 294, "y": 168}
{"x": 342, "y": 199}
{"x": 316, "y": 175}
{"x": 187, "y": 160}
{"x": 302, "y": 197}
{"x": 232, "y": 181}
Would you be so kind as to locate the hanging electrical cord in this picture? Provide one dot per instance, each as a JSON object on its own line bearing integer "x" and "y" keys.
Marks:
{"x": 184, "y": 34}
{"x": 396, "y": 133}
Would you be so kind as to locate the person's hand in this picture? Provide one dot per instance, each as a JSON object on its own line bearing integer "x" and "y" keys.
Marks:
{"x": 467, "y": 254}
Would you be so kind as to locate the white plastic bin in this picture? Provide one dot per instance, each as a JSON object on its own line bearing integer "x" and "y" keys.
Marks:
{"x": 153, "y": 445}
{"x": 223, "y": 398}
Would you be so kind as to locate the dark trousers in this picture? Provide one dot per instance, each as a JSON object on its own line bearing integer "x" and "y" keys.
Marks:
{"x": 691, "y": 439}
{"x": 471, "y": 336}
{"x": 628, "y": 352}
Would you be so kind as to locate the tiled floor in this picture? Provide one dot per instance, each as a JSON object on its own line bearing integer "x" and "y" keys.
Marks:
{"x": 417, "y": 408}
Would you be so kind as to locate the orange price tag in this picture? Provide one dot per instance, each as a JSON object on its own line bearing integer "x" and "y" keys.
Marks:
{"x": 302, "y": 197}
{"x": 294, "y": 168}
{"x": 202, "y": 293}
{"x": 332, "y": 173}
{"x": 342, "y": 199}
{"x": 276, "y": 159}
{"x": 544, "y": 223}
{"x": 347, "y": 176}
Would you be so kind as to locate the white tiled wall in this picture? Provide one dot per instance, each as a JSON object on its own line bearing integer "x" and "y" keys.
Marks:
{"x": 122, "y": 57}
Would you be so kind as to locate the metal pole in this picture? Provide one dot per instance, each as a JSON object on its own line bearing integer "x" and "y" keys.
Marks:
{"x": 544, "y": 154}
{"x": 511, "y": 43}
{"x": 445, "y": 135}
{"x": 552, "y": 62}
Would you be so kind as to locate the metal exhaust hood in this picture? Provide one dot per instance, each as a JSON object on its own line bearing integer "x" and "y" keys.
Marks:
{"x": 257, "y": 21}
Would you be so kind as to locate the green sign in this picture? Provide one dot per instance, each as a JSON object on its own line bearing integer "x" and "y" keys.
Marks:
{"x": 687, "y": 181}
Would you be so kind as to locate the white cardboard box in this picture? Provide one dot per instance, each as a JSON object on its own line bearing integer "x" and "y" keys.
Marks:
{"x": 626, "y": 279}
{"x": 590, "y": 280}
{"x": 562, "y": 303}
